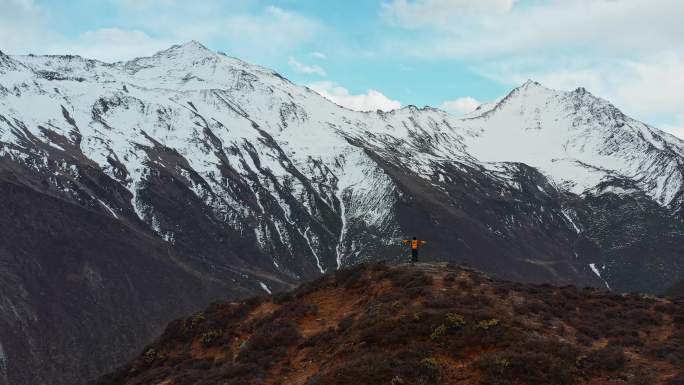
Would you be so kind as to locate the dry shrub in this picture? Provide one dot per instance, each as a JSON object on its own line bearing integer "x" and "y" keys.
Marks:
{"x": 609, "y": 358}
{"x": 533, "y": 362}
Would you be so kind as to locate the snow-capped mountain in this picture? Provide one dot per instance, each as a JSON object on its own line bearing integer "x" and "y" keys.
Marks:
{"x": 578, "y": 140}
{"x": 157, "y": 185}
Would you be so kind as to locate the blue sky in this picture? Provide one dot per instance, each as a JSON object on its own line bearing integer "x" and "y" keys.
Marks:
{"x": 372, "y": 54}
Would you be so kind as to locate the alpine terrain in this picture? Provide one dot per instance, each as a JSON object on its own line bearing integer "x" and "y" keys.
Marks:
{"x": 422, "y": 324}
{"x": 139, "y": 191}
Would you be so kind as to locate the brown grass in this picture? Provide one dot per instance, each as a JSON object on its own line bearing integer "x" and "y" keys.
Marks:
{"x": 427, "y": 324}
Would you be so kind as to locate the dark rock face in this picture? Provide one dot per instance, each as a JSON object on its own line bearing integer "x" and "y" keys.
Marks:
{"x": 475, "y": 219}
{"x": 677, "y": 290}
{"x": 627, "y": 227}
{"x": 82, "y": 290}
{"x": 130, "y": 197}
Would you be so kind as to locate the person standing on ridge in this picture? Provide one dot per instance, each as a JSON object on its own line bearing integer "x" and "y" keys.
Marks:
{"x": 415, "y": 245}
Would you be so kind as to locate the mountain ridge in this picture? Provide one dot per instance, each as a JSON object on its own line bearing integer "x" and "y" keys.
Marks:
{"x": 419, "y": 324}
{"x": 248, "y": 183}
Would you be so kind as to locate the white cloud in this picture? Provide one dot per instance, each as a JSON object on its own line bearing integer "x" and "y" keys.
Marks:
{"x": 657, "y": 85}
{"x": 649, "y": 88}
{"x": 139, "y": 5}
{"x": 629, "y": 52}
{"x": 113, "y": 44}
{"x": 271, "y": 31}
{"x": 676, "y": 129}
{"x": 26, "y": 27}
{"x": 238, "y": 28}
{"x": 233, "y": 26}
{"x": 244, "y": 28}
{"x": 461, "y": 106}
{"x": 418, "y": 13}
{"x": 372, "y": 100}
{"x": 599, "y": 26}
{"x": 22, "y": 24}
{"x": 305, "y": 69}
{"x": 318, "y": 55}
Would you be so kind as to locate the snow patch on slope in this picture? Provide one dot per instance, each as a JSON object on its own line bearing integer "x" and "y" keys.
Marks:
{"x": 598, "y": 274}
{"x": 265, "y": 287}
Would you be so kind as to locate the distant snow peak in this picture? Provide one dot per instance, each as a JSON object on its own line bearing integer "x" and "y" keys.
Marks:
{"x": 532, "y": 87}
{"x": 7, "y": 62}
{"x": 581, "y": 91}
{"x": 217, "y": 112}
{"x": 191, "y": 46}
{"x": 213, "y": 149}
{"x": 531, "y": 84}
{"x": 191, "y": 50}
{"x": 575, "y": 137}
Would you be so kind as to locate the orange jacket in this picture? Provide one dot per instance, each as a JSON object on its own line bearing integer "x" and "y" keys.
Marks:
{"x": 415, "y": 243}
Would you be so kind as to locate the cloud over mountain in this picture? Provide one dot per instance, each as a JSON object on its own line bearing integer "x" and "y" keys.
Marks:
{"x": 372, "y": 100}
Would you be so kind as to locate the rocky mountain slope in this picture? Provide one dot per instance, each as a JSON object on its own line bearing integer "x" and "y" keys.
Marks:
{"x": 424, "y": 324}
{"x": 139, "y": 191}
{"x": 677, "y": 290}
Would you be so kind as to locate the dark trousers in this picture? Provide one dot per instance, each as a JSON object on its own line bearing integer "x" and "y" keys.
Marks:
{"x": 414, "y": 255}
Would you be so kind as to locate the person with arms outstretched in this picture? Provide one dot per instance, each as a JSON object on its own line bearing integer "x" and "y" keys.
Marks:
{"x": 415, "y": 245}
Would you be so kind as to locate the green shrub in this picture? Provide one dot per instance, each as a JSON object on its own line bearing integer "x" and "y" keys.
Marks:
{"x": 151, "y": 355}
{"x": 487, "y": 324}
{"x": 430, "y": 363}
{"x": 196, "y": 319}
{"x": 455, "y": 320}
{"x": 210, "y": 337}
{"x": 438, "y": 332}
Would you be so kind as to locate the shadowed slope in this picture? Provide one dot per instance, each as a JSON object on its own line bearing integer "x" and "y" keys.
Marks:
{"x": 427, "y": 324}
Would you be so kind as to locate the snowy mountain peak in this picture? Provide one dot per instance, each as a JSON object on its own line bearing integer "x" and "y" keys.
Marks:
{"x": 4, "y": 59}
{"x": 533, "y": 96}
{"x": 532, "y": 87}
{"x": 190, "y": 49}
{"x": 527, "y": 92}
{"x": 192, "y": 66}
{"x": 8, "y": 63}
{"x": 185, "y": 55}
{"x": 578, "y": 139}
{"x": 244, "y": 182}
{"x": 581, "y": 91}
{"x": 532, "y": 84}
